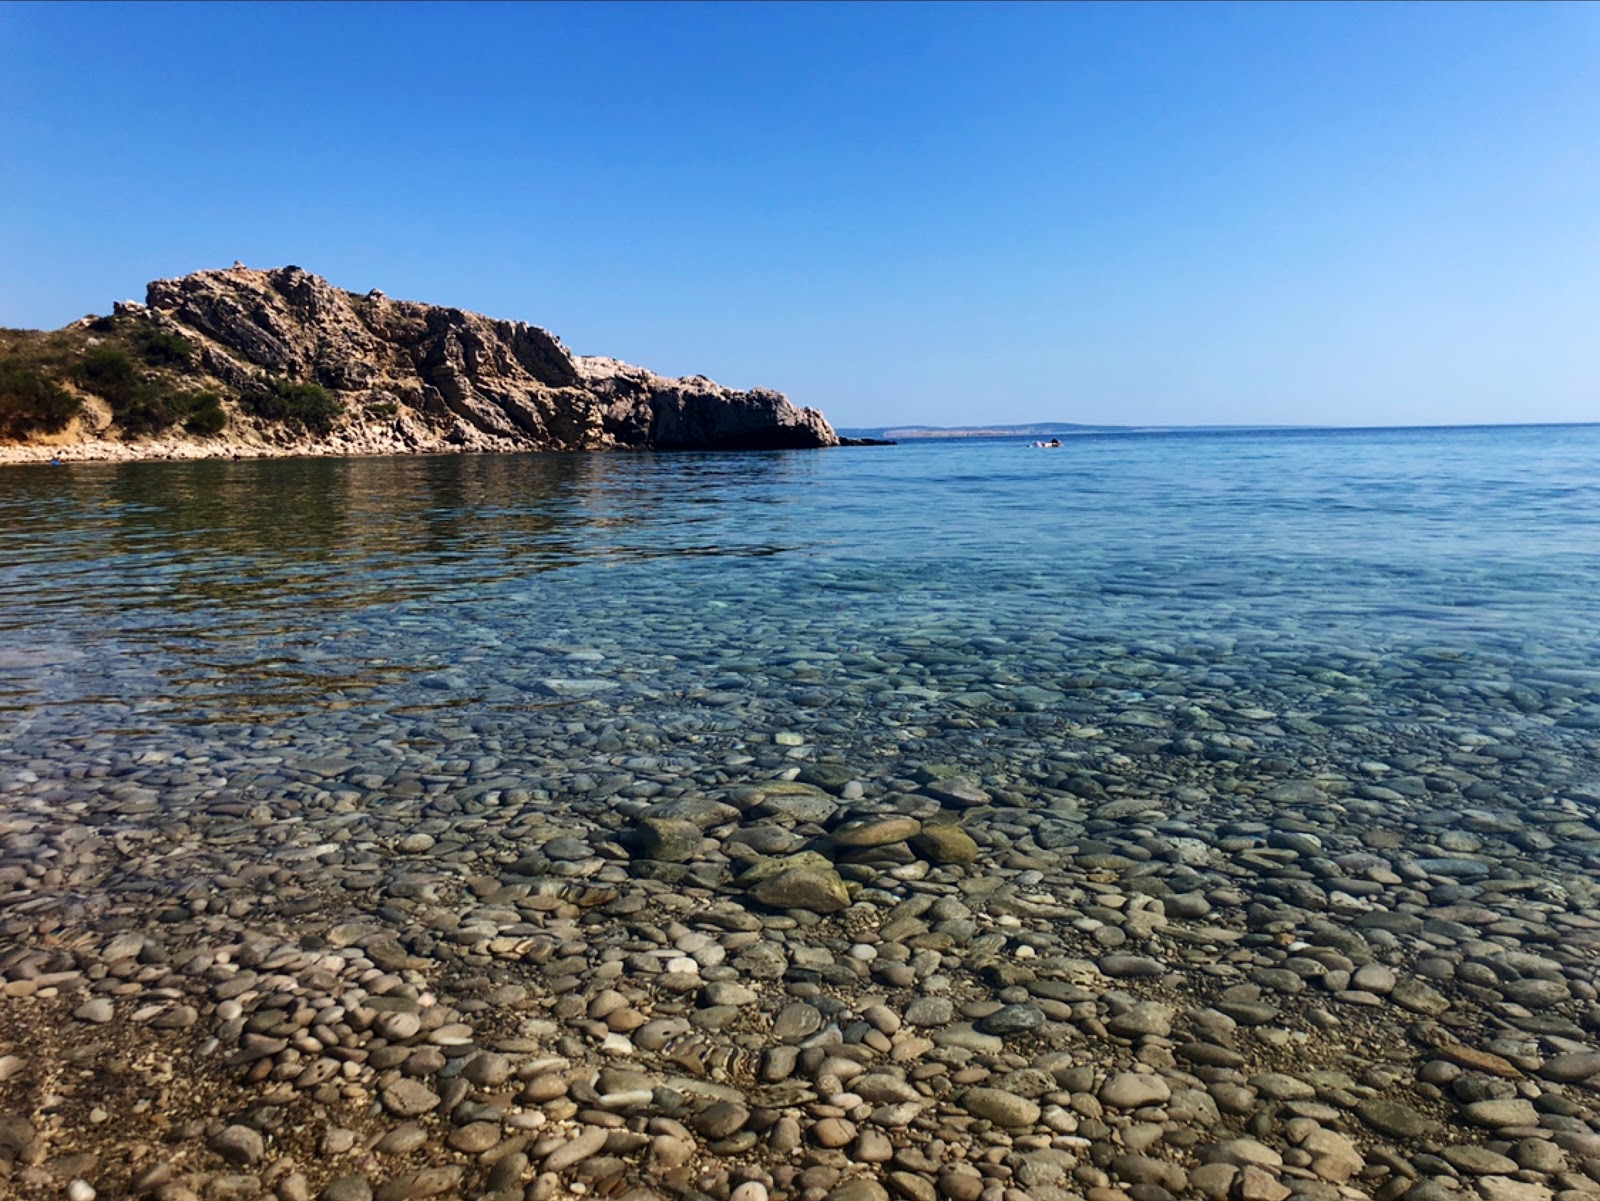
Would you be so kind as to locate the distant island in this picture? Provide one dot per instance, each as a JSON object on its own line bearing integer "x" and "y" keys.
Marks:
{"x": 1045, "y": 429}
{"x": 248, "y": 362}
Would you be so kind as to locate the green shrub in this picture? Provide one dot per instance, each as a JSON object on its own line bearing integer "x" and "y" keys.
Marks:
{"x": 30, "y": 403}
{"x": 108, "y": 372}
{"x": 205, "y": 413}
{"x": 136, "y": 404}
{"x": 307, "y": 406}
{"x": 152, "y": 411}
{"x": 161, "y": 349}
{"x": 149, "y": 406}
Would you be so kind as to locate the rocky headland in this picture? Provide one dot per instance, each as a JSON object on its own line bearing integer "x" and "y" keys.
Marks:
{"x": 241, "y": 362}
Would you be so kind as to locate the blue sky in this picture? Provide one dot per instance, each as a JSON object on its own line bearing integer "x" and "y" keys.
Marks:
{"x": 1360, "y": 214}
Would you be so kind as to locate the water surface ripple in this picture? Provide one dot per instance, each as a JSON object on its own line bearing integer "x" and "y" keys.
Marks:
{"x": 328, "y": 592}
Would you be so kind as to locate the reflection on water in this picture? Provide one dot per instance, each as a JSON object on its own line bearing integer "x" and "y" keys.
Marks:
{"x": 351, "y": 532}
{"x": 133, "y": 595}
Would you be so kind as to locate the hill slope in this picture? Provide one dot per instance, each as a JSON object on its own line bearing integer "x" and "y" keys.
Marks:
{"x": 280, "y": 361}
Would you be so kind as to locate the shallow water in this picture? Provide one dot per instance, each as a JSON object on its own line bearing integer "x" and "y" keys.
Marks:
{"x": 881, "y": 588}
{"x": 1299, "y": 726}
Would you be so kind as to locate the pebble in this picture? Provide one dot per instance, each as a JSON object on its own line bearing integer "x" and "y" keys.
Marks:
{"x": 239, "y": 1145}
{"x": 409, "y": 1098}
{"x": 1133, "y": 1090}
{"x": 585, "y": 1143}
{"x": 1000, "y": 1107}
{"x": 98, "y": 1011}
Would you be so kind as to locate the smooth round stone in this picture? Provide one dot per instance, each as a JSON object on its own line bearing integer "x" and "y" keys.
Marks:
{"x": 1536, "y": 994}
{"x": 815, "y": 889}
{"x": 348, "y": 1188}
{"x": 721, "y": 1119}
{"x": 98, "y": 1011}
{"x": 416, "y": 844}
{"x": 930, "y": 1011}
{"x": 805, "y": 804}
{"x": 945, "y": 843}
{"x": 727, "y": 992}
{"x": 859, "y": 1189}
{"x": 1375, "y": 978}
{"x": 398, "y": 1027}
{"x": 1131, "y": 966}
{"x": 1000, "y": 1107}
{"x": 239, "y": 1145}
{"x": 575, "y": 1150}
{"x": 669, "y": 839}
{"x": 412, "y": 1186}
{"x": 796, "y": 1021}
{"x": 1508, "y": 1111}
{"x": 1147, "y": 1017}
{"x": 1242, "y": 1151}
{"x": 831, "y": 776}
{"x": 958, "y": 793}
{"x": 1281, "y": 1087}
{"x": 654, "y": 1035}
{"x": 402, "y": 1140}
{"x": 1571, "y": 1067}
{"x": 1132, "y": 1090}
{"x": 1538, "y": 1155}
{"x": 1339, "y": 1165}
{"x": 1478, "y": 1161}
{"x": 1393, "y": 1118}
{"x": 882, "y": 1018}
{"x": 409, "y": 1098}
{"x": 1460, "y": 869}
{"x": 769, "y": 840}
{"x": 1411, "y": 993}
{"x": 567, "y": 849}
{"x": 1503, "y": 1188}
{"x": 488, "y": 1069}
{"x": 881, "y": 1089}
{"x": 1012, "y": 1019}
{"x": 875, "y": 831}
{"x": 833, "y": 1132}
{"x": 964, "y": 1036}
{"x": 474, "y": 1137}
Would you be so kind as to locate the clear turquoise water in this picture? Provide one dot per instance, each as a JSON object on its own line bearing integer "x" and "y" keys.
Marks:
{"x": 873, "y": 599}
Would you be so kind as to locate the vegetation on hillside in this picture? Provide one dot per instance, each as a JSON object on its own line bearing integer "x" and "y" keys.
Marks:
{"x": 31, "y": 402}
{"x": 144, "y": 402}
{"x": 149, "y": 378}
{"x": 305, "y": 406}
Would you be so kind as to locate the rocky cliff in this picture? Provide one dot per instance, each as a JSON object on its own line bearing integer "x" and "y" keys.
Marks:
{"x": 281, "y": 359}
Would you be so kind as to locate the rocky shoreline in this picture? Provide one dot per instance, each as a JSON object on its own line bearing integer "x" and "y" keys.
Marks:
{"x": 788, "y": 973}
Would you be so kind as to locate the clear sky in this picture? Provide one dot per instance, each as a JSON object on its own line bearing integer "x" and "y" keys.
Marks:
{"x": 946, "y": 213}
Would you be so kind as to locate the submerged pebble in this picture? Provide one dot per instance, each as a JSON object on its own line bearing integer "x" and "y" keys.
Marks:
{"x": 988, "y": 879}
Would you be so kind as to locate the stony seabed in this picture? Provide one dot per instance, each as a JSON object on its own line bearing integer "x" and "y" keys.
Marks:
{"x": 694, "y": 891}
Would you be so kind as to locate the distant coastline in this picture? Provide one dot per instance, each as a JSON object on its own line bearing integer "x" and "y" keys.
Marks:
{"x": 1047, "y": 428}
{"x": 910, "y": 433}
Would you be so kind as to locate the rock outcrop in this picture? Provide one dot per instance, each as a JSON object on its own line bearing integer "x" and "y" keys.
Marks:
{"x": 405, "y": 376}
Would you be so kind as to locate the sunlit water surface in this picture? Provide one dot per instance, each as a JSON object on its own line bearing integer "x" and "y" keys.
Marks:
{"x": 888, "y": 601}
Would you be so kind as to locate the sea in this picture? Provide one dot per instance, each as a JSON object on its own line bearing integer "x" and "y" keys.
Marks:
{"x": 902, "y": 601}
